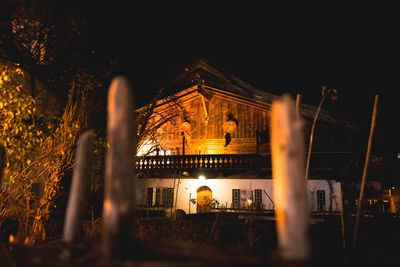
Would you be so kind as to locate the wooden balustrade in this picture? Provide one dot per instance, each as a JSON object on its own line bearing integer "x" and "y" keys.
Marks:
{"x": 218, "y": 161}
{"x": 232, "y": 161}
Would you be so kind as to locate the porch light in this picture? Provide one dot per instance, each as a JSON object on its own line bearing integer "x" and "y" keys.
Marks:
{"x": 202, "y": 178}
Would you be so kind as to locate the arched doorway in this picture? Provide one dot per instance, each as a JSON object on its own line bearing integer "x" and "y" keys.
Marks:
{"x": 204, "y": 199}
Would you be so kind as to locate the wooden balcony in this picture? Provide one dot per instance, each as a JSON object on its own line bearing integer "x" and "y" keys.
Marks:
{"x": 324, "y": 160}
{"x": 218, "y": 161}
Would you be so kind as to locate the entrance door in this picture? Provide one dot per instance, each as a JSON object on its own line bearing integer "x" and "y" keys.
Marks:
{"x": 204, "y": 199}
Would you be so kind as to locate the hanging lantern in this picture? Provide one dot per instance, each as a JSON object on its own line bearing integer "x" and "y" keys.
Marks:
{"x": 229, "y": 126}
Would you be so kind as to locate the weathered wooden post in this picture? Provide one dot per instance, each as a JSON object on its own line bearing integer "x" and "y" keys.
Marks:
{"x": 120, "y": 183}
{"x": 288, "y": 168}
{"x": 365, "y": 171}
{"x": 79, "y": 188}
{"x": 298, "y": 104}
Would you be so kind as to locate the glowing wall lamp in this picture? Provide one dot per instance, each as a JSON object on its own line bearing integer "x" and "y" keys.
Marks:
{"x": 202, "y": 178}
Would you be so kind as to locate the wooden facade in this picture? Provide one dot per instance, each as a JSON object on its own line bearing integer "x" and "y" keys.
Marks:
{"x": 204, "y": 132}
{"x": 224, "y": 115}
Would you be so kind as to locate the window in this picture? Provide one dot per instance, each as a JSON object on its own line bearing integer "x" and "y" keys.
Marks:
{"x": 159, "y": 197}
{"x": 320, "y": 200}
{"x": 236, "y": 198}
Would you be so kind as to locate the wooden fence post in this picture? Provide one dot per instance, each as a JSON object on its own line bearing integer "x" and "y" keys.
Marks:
{"x": 365, "y": 171}
{"x": 289, "y": 188}
{"x": 120, "y": 179}
{"x": 298, "y": 105}
{"x": 79, "y": 188}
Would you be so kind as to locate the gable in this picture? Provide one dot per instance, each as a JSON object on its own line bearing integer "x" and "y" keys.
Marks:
{"x": 211, "y": 99}
{"x": 202, "y": 76}
{"x": 208, "y": 118}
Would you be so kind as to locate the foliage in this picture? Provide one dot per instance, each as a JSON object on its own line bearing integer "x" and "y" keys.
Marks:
{"x": 39, "y": 150}
{"x": 17, "y": 132}
{"x": 214, "y": 203}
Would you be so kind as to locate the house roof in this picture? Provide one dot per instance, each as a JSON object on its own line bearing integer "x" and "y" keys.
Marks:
{"x": 202, "y": 72}
{"x": 203, "y": 76}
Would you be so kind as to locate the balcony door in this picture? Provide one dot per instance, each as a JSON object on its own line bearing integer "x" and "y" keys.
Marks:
{"x": 204, "y": 199}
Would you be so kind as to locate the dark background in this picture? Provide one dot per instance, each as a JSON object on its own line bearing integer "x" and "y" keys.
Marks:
{"x": 278, "y": 50}
{"x": 295, "y": 48}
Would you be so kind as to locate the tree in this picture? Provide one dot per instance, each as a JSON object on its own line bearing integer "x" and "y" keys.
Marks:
{"x": 52, "y": 43}
{"x": 39, "y": 149}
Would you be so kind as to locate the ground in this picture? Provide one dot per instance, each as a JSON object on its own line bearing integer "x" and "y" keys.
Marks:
{"x": 221, "y": 238}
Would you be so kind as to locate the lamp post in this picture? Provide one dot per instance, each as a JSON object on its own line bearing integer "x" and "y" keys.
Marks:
{"x": 325, "y": 93}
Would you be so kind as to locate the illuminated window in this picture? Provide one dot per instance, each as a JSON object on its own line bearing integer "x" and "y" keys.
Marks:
{"x": 167, "y": 152}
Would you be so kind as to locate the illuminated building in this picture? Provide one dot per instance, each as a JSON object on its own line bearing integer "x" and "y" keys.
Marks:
{"x": 216, "y": 153}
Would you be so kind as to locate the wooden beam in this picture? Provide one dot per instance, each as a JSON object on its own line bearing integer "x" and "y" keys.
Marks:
{"x": 203, "y": 101}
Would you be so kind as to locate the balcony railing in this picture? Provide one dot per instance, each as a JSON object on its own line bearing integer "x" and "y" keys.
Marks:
{"x": 218, "y": 161}
{"x": 319, "y": 160}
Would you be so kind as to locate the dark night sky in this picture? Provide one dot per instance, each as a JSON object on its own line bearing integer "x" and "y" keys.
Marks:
{"x": 278, "y": 51}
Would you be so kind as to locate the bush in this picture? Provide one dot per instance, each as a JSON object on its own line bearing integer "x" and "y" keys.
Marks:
{"x": 39, "y": 150}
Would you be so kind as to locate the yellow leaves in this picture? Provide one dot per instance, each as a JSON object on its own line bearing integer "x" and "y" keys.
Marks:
{"x": 39, "y": 148}
{"x": 19, "y": 71}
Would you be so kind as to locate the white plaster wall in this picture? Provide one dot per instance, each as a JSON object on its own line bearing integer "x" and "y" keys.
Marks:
{"x": 222, "y": 191}
{"x": 331, "y": 198}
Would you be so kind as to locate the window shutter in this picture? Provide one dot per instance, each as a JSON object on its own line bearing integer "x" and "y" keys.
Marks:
{"x": 164, "y": 197}
{"x": 236, "y": 198}
{"x": 149, "y": 202}
{"x": 258, "y": 198}
{"x": 170, "y": 197}
{"x": 158, "y": 197}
